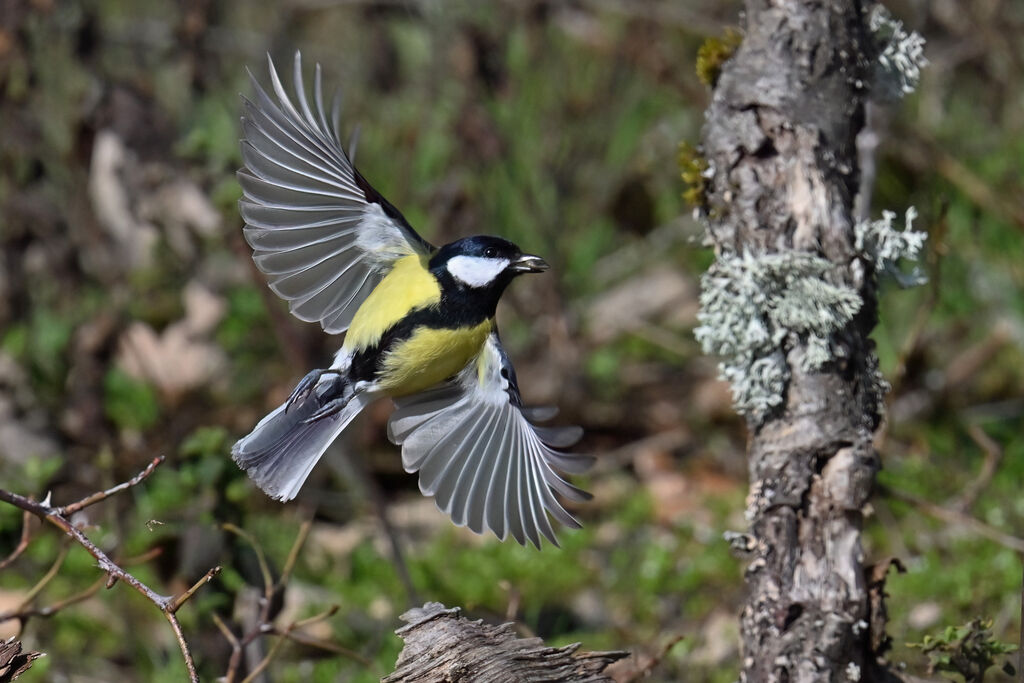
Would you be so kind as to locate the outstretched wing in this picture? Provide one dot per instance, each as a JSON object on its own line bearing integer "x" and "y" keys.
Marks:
{"x": 318, "y": 230}
{"x": 483, "y": 461}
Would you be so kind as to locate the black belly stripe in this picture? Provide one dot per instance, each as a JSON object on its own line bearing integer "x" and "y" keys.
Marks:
{"x": 453, "y": 312}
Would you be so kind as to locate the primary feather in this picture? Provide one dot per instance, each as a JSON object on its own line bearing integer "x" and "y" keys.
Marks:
{"x": 320, "y": 232}
{"x": 485, "y": 464}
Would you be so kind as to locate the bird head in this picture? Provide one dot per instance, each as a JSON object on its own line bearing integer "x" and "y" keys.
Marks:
{"x": 483, "y": 263}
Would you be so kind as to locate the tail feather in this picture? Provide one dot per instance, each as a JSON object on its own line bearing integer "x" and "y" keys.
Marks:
{"x": 282, "y": 449}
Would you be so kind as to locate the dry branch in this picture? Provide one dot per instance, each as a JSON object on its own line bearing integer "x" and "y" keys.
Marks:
{"x": 59, "y": 517}
{"x": 441, "y": 647}
{"x": 263, "y": 625}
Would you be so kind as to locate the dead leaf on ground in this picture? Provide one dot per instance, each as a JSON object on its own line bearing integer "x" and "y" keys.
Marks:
{"x": 663, "y": 294}
{"x": 181, "y": 357}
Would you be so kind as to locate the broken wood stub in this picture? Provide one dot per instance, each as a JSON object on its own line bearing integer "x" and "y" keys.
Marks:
{"x": 442, "y": 647}
{"x": 13, "y": 661}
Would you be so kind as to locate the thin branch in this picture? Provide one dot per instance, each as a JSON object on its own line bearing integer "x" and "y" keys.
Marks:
{"x": 25, "y": 612}
{"x": 184, "y": 597}
{"x": 644, "y": 671}
{"x": 26, "y": 536}
{"x": 292, "y": 632}
{"x": 263, "y": 625}
{"x": 225, "y": 631}
{"x": 58, "y": 562}
{"x": 56, "y": 516}
{"x": 268, "y": 581}
{"x": 993, "y": 457}
{"x": 92, "y": 499}
{"x": 293, "y": 554}
{"x": 954, "y": 516}
{"x": 315, "y": 619}
{"x": 52, "y": 609}
{"x": 285, "y": 635}
{"x": 326, "y": 645}
{"x": 265, "y": 662}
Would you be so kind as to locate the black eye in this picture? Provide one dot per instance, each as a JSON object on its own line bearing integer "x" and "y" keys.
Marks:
{"x": 490, "y": 252}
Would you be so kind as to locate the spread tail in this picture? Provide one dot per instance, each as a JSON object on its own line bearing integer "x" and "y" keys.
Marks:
{"x": 282, "y": 449}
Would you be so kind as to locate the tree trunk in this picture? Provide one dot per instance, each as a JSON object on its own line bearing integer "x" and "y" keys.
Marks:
{"x": 780, "y": 143}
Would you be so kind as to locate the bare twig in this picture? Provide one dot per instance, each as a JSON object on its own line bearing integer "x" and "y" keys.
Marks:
{"x": 643, "y": 669}
{"x": 326, "y": 645}
{"x": 50, "y": 610}
{"x": 26, "y": 612}
{"x": 292, "y": 632}
{"x": 993, "y": 457}
{"x": 26, "y": 536}
{"x": 92, "y": 499}
{"x": 954, "y": 516}
{"x": 263, "y": 625}
{"x": 176, "y": 604}
{"x": 268, "y": 581}
{"x": 225, "y": 631}
{"x": 57, "y": 516}
{"x": 46, "y": 579}
{"x": 924, "y": 153}
{"x": 293, "y": 554}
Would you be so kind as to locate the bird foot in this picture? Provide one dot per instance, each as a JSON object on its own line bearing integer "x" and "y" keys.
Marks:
{"x": 306, "y": 385}
{"x": 330, "y": 408}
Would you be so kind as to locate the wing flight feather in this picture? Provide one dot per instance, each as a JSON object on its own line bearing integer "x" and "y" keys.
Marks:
{"x": 485, "y": 463}
{"x": 319, "y": 231}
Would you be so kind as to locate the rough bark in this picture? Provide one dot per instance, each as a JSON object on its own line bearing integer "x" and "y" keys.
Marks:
{"x": 442, "y": 647}
{"x": 13, "y": 661}
{"x": 780, "y": 138}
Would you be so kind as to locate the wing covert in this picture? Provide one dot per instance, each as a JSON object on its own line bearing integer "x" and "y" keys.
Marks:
{"x": 319, "y": 231}
{"x": 485, "y": 463}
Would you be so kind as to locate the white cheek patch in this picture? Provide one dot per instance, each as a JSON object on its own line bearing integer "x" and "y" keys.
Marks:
{"x": 476, "y": 271}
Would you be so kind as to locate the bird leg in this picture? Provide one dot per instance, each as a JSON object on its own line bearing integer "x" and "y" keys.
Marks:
{"x": 330, "y": 408}
{"x": 307, "y": 384}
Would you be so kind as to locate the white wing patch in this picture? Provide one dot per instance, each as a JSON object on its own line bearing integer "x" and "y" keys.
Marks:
{"x": 485, "y": 464}
{"x": 378, "y": 239}
{"x": 476, "y": 271}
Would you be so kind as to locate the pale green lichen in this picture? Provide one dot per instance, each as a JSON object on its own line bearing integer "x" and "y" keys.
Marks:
{"x": 758, "y": 384}
{"x": 884, "y": 246}
{"x": 900, "y": 56}
{"x": 751, "y": 304}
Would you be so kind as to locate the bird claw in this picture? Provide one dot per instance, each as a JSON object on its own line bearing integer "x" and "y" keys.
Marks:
{"x": 327, "y": 410}
{"x": 306, "y": 385}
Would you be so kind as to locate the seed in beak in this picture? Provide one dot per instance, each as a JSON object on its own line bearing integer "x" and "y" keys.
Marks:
{"x": 527, "y": 263}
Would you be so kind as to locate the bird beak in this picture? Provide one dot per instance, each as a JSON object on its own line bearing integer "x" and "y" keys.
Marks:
{"x": 528, "y": 263}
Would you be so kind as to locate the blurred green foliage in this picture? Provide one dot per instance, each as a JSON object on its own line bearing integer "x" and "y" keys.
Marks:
{"x": 968, "y": 650}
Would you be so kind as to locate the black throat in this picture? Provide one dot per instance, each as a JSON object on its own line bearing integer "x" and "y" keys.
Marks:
{"x": 465, "y": 304}
{"x": 460, "y": 306}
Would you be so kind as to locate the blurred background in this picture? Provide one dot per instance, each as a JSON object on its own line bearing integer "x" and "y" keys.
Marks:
{"x": 133, "y": 324}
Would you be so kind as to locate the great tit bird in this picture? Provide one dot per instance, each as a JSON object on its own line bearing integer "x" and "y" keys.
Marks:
{"x": 420, "y": 329}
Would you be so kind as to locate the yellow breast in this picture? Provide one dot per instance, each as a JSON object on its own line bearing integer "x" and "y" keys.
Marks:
{"x": 430, "y": 356}
{"x": 409, "y": 285}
